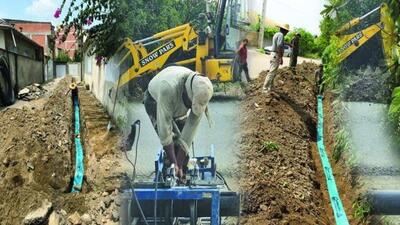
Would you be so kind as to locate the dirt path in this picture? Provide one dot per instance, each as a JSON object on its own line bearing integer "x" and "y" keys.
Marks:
{"x": 280, "y": 178}
{"x": 37, "y": 161}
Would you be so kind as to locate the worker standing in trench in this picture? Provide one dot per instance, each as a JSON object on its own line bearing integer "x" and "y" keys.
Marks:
{"x": 295, "y": 44}
{"x": 170, "y": 95}
{"x": 277, "y": 57}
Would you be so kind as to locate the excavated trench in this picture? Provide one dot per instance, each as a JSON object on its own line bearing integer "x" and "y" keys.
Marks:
{"x": 37, "y": 159}
{"x": 282, "y": 178}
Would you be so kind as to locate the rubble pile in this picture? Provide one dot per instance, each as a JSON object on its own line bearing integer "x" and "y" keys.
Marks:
{"x": 31, "y": 92}
{"x": 37, "y": 163}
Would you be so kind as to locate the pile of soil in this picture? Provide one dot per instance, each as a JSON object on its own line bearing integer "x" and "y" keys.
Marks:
{"x": 37, "y": 162}
{"x": 280, "y": 180}
{"x": 367, "y": 85}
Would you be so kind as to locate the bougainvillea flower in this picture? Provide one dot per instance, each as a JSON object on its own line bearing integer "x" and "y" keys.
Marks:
{"x": 89, "y": 21}
{"x": 57, "y": 13}
{"x": 99, "y": 60}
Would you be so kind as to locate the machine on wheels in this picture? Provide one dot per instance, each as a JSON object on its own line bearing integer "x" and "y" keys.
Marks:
{"x": 204, "y": 199}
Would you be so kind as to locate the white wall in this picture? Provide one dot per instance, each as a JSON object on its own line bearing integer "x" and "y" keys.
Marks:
{"x": 2, "y": 40}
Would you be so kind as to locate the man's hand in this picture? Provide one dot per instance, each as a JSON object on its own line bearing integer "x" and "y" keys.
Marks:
{"x": 170, "y": 150}
{"x": 182, "y": 159}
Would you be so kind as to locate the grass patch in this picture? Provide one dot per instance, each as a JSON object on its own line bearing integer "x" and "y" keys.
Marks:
{"x": 341, "y": 144}
{"x": 312, "y": 56}
{"x": 269, "y": 146}
{"x": 261, "y": 50}
{"x": 362, "y": 209}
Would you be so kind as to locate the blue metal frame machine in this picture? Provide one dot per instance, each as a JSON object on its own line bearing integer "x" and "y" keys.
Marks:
{"x": 205, "y": 195}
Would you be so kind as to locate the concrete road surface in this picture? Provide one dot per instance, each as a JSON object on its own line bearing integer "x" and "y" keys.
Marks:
{"x": 259, "y": 62}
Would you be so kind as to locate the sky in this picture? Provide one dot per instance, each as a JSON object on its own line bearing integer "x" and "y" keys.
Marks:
{"x": 296, "y": 13}
{"x": 37, "y": 10}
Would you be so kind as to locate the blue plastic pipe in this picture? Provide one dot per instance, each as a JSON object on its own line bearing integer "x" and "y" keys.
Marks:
{"x": 79, "y": 160}
{"x": 336, "y": 202}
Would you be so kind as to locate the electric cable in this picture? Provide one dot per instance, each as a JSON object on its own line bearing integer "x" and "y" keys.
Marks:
{"x": 132, "y": 180}
{"x": 219, "y": 175}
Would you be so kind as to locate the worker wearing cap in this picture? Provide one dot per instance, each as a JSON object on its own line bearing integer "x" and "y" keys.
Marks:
{"x": 277, "y": 57}
{"x": 173, "y": 93}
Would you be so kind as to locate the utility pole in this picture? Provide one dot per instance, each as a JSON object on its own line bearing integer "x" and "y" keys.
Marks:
{"x": 261, "y": 34}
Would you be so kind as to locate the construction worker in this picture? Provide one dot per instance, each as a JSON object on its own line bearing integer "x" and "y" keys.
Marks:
{"x": 277, "y": 57}
{"x": 173, "y": 94}
{"x": 242, "y": 59}
{"x": 319, "y": 75}
{"x": 295, "y": 44}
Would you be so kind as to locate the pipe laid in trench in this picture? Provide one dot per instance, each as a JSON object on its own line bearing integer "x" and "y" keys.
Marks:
{"x": 336, "y": 203}
{"x": 79, "y": 167}
{"x": 384, "y": 202}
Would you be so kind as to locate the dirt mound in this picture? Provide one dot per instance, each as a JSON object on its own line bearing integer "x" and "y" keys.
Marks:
{"x": 279, "y": 177}
{"x": 37, "y": 161}
{"x": 35, "y": 146}
{"x": 367, "y": 85}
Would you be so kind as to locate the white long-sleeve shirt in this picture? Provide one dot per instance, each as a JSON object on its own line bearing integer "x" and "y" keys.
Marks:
{"x": 167, "y": 88}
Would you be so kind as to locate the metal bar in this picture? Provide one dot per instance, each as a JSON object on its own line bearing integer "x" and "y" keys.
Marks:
{"x": 229, "y": 206}
{"x": 173, "y": 30}
{"x": 366, "y": 15}
{"x": 187, "y": 61}
{"x": 172, "y": 36}
{"x": 220, "y": 18}
{"x": 152, "y": 42}
{"x": 215, "y": 204}
{"x": 144, "y": 40}
{"x": 176, "y": 193}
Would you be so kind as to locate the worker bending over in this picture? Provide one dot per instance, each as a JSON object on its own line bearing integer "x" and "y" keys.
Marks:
{"x": 175, "y": 100}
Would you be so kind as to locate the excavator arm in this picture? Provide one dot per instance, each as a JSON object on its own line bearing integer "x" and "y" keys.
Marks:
{"x": 350, "y": 43}
{"x": 182, "y": 38}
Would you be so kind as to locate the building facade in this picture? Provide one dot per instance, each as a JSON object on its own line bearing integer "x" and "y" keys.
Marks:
{"x": 40, "y": 32}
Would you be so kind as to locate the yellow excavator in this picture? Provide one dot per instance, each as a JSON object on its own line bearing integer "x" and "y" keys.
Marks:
{"x": 367, "y": 40}
{"x": 199, "y": 49}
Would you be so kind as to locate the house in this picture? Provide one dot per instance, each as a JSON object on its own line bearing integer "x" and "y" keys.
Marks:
{"x": 70, "y": 45}
{"x": 40, "y": 32}
{"x": 21, "y": 62}
{"x": 45, "y": 34}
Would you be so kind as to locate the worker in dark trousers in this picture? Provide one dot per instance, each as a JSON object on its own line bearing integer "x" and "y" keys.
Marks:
{"x": 319, "y": 75}
{"x": 295, "y": 44}
{"x": 175, "y": 101}
{"x": 242, "y": 59}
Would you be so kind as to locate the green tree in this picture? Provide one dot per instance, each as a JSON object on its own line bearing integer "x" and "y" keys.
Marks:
{"x": 307, "y": 42}
{"x": 105, "y": 23}
{"x": 62, "y": 56}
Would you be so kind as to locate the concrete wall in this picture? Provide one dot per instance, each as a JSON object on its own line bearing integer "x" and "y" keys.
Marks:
{"x": 24, "y": 57}
{"x": 2, "y": 40}
{"x": 102, "y": 81}
{"x": 72, "y": 68}
{"x": 29, "y": 71}
{"x": 49, "y": 70}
